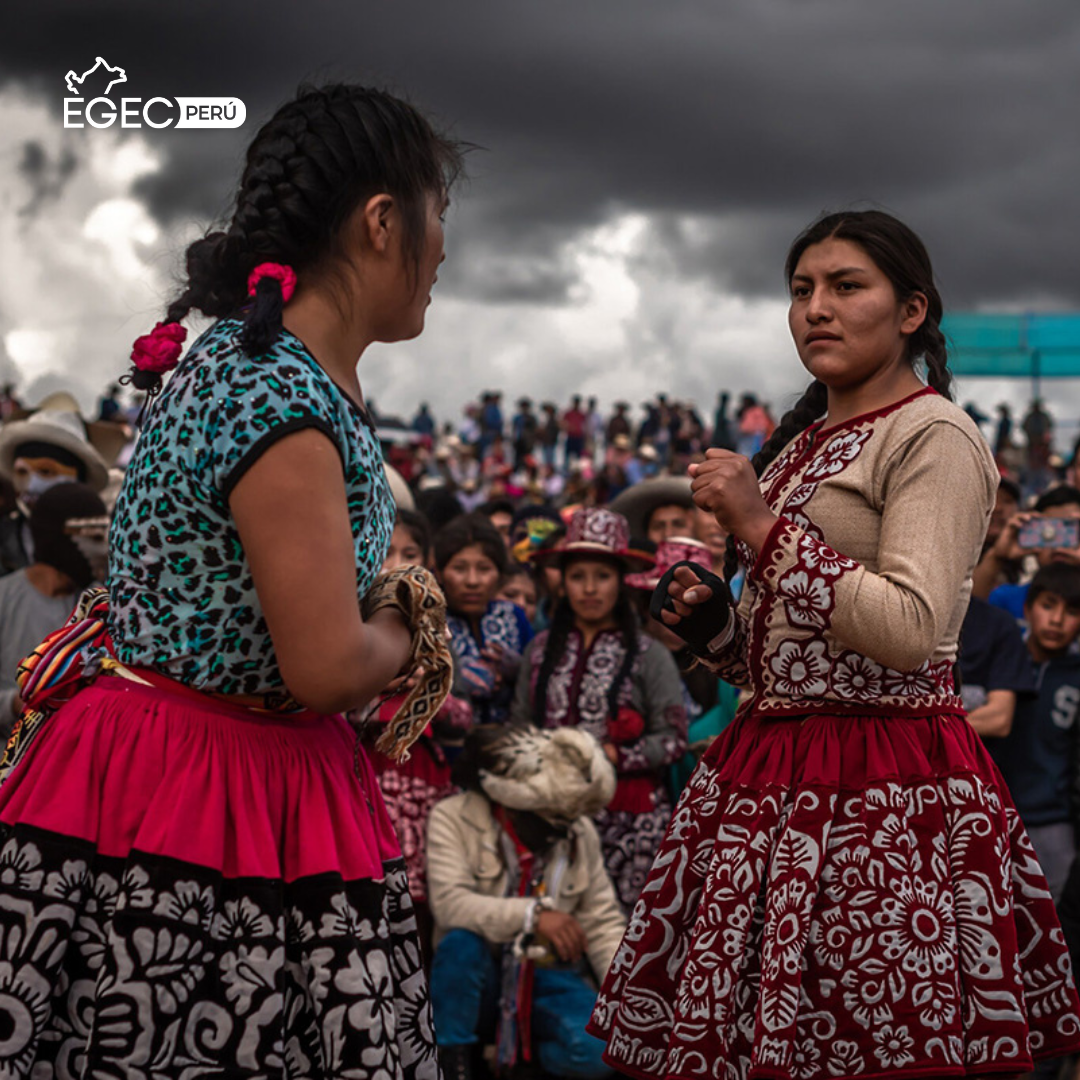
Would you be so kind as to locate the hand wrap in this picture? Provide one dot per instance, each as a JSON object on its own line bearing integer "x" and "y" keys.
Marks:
{"x": 710, "y": 625}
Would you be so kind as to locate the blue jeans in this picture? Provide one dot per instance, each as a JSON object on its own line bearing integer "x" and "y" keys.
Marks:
{"x": 465, "y": 1003}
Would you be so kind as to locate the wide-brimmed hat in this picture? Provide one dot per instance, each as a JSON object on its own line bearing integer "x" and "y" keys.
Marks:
{"x": 562, "y": 774}
{"x": 638, "y": 502}
{"x": 107, "y": 437}
{"x": 677, "y": 549}
{"x": 596, "y": 530}
{"x": 403, "y": 496}
{"x": 62, "y": 428}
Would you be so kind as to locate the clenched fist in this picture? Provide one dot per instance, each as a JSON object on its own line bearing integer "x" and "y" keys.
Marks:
{"x": 725, "y": 484}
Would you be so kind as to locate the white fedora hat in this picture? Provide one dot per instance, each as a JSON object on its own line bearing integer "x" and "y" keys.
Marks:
{"x": 57, "y": 427}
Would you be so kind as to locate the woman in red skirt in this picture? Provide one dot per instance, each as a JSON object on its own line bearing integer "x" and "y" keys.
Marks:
{"x": 196, "y": 879}
{"x": 845, "y": 890}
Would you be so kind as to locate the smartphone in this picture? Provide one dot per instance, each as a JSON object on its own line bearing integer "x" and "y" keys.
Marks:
{"x": 1049, "y": 532}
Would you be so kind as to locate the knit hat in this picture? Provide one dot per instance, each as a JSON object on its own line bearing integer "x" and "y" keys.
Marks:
{"x": 561, "y": 775}
{"x": 595, "y": 530}
{"x": 669, "y": 552}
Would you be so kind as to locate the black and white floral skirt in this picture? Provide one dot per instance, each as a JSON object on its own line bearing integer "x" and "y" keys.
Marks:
{"x": 190, "y": 890}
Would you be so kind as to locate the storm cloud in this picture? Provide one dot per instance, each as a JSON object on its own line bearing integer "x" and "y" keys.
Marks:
{"x": 718, "y": 129}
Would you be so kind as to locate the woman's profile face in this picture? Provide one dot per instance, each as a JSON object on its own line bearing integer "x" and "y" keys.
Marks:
{"x": 470, "y": 580}
{"x": 398, "y": 291}
{"x": 592, "y": 589}
{"x": 845, "y": 317}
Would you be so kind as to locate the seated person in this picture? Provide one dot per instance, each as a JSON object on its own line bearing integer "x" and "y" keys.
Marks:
{"x": 526, "y": 918}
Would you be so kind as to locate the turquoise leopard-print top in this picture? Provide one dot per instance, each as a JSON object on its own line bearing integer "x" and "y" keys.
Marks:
{"x": 181, "y": 596}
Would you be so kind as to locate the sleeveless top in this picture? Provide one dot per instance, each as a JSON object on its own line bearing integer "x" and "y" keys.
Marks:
{"x": 181, "y": 596}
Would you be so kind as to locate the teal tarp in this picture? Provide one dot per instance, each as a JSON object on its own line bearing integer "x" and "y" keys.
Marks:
{"x": 1026, "y": 346}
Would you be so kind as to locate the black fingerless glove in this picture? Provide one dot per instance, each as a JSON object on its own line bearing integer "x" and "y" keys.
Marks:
{"x": 707, "y": 624}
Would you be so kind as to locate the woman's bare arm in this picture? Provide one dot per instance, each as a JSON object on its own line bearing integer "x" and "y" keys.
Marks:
{"x": 290, "y": 510}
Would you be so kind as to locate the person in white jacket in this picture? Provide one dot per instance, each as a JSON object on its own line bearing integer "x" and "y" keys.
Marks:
{"x": 526, "y": 919}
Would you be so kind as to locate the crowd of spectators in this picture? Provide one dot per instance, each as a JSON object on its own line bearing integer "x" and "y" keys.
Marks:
{"x": 531, "y": 809}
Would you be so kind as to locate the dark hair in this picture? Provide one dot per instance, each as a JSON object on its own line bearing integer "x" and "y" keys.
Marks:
{"x": 418, "y": 528}
{"x": 1062, "y": 495}
{"x": 480, "y": 753}
{"x": 562, "y": 622}
{"x": 307, "y": 169}
{"x": 518, "y": 569}
{"x": 469, "y": 529}
{"x": 439, "y": 505}
{"x": 1061, "y": 579}
{"x": 1011, "y": 488}
{"x": 902, "y": 257}
{"x": 496, "y": 506}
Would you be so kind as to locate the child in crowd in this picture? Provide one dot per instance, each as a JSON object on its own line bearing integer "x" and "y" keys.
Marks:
{"x": 519, "y": 587}
{"x": 1037, "y": 757}
{"x": 410, "y": 544}
{"x": 412, "y": 787}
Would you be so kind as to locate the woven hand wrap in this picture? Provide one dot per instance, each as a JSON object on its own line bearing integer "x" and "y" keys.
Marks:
{"x": 414, "y": 592}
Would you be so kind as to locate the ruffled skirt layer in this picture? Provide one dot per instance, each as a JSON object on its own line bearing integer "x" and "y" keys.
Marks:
{"x": 192, "y": 889}
{"x": 841, "y": 897}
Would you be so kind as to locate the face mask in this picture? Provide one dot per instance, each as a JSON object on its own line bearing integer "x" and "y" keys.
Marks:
{"x": 32, "y": 490}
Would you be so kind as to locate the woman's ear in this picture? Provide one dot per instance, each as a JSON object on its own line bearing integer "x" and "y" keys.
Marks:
{"x": 913, "y": 313}
{"x": 378, "y": 222}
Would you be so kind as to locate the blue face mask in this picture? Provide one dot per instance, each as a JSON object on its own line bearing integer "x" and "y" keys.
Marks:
{"x": 37, "y": 485}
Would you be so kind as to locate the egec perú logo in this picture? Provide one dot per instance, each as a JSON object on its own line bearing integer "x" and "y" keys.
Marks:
{"x": 102, "y": 111}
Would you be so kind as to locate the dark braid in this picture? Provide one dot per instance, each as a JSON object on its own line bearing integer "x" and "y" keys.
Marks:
{"x": 631, "y": 637}
{"x": 808, "y": 409}
{"x": 306, "y": 171}
{"x": 562, "y": 623}
{"x": 902, "y": 257}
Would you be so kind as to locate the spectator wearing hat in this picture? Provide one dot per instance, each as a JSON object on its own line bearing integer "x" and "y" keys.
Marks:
{"x": 69, "y": 526}
{"x": 525, "y": 915}
{"x": 658, "y": 509}
{"x": 549, "y": 433}
{"x": 618, "y": 423}
{"x": 594, "y": 429}
{"x": 45, "y": 448}
{"x": 595, "y": 670}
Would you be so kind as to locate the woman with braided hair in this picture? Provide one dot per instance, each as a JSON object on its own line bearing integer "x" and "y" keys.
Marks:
{"x": 845, "y": 889}
{"x": 594, "y": 669}
{"x": 196, "y": 876}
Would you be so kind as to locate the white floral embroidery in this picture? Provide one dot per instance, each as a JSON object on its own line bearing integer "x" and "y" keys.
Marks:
{"x": 800, "y": 668}
{"x": 820, "y": 557}
{"x": 807, "y": 599}
{"x": 837, "y": 455}
{"x": 856, "y": 678}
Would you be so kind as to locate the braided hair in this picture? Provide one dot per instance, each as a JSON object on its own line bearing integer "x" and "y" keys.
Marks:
{"x": 308, "y": 168}
{"x": 902, "y": 257}
{"x": 562, "y": 622}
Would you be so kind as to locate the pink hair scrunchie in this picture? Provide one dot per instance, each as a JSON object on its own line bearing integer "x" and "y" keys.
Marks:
{"x": 283, "y": 274}
{"x": 159, "y": 350}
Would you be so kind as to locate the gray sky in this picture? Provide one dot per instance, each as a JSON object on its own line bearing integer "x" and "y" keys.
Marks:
{"x": 645, "y": 164}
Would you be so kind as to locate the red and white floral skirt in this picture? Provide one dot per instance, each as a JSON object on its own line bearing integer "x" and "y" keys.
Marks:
{"x": 189, "y": 888}
{"x": 840, "y": 897}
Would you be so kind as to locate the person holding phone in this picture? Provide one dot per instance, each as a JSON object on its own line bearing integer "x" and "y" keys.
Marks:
{"x": 1050, "y": 533}
{"x": 845, "y": 889}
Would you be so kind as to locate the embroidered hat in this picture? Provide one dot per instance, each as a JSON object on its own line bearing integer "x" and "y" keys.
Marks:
{"x": 561, "y": 775}
{"x": 669, "y": 552}
{"x": 595, "y": 530}
{"x": 638, "y": 502}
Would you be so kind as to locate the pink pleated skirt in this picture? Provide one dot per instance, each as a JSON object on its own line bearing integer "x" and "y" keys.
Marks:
{"x": 194, "y": 888}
